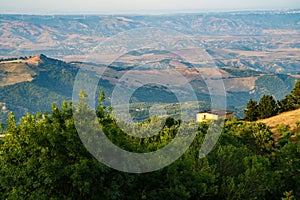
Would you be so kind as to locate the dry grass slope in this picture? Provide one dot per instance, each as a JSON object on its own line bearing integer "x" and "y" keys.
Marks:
{"x": 15, "y": 72}
{"x": 288, "y": 118}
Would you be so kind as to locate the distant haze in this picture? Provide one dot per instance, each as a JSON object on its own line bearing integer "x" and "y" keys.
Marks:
{"x": 138, "y": 6}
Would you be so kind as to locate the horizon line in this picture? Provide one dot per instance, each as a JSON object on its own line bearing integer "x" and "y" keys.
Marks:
{"x": 154, "y": 12}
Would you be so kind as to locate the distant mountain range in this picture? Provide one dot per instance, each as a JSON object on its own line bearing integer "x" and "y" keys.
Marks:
{"x": 266, "y": 41}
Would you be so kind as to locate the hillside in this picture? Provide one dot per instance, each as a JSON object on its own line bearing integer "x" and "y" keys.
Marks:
{"x": 22, "y": 69}
{"x": 31, "y": 84}
{"x": 288, "y": 118}
{"x": 15, "y": 72}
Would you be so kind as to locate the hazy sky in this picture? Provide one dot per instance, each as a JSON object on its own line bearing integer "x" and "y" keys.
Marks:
{"x": 138, "y": 6}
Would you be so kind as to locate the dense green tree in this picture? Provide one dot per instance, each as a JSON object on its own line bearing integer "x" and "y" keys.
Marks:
{"x": 258, "y": 181}
{"x": 255, "y": 136}
{"x": 267, "y": 107}
{"x": 42, "y": 157}
{"x": 228, "y": 166}
{"x": 287, "y": 165}
{"x": 251, "y": 111}
{"x": 100, "y": 111}
{"x": 287, "y": 103}
{"x": 296, "y": 92}
{"x": 242, "y": 174}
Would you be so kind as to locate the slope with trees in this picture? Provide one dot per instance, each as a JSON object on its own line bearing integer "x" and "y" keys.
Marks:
{"x": 268, "y": 107}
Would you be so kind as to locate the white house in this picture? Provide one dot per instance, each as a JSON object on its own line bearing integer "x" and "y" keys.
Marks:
{"x": 213, "y": 115}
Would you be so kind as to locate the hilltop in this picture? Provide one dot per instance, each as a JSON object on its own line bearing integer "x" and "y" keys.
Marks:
{"x": 23, "y": 69}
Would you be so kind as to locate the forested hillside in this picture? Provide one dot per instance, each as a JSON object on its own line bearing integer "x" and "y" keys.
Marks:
{"x": 50, "y": 81}
{"x": 31, "y": 84}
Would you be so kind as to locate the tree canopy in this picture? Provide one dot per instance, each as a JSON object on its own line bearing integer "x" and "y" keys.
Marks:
{"x": 251, "y": 112}
{"x": 267, "y": 107}
{"x": 42, "y": 157}
{"x": 296, "y": 92}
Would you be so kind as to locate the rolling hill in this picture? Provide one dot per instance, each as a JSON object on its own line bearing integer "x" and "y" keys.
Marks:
{"x": 31, "y": 84}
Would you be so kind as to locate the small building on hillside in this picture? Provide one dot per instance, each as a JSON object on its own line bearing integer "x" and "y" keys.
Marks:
{"x": 3, "y": 107}
{"x": 213, "y": 115}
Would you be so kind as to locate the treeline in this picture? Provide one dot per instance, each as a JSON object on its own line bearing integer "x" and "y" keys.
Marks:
{"x": 42, "y": 157}
{"x": 268, "y": 107}
{"x": 11, "y": 59}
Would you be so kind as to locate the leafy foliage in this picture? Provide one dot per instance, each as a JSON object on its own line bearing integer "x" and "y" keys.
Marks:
{"x": 288, "y": 103}
{"x": 251, "y": 112}
{"x": 42, "y": 157}
{"x": 296, "y": 92}
{"x": 267, "y": 107}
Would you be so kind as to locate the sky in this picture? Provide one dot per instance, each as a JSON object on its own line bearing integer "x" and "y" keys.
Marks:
{"x": 138, "y": 6}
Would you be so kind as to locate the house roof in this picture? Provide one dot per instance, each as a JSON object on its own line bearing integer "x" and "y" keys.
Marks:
{"x": 217, "y": 112}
